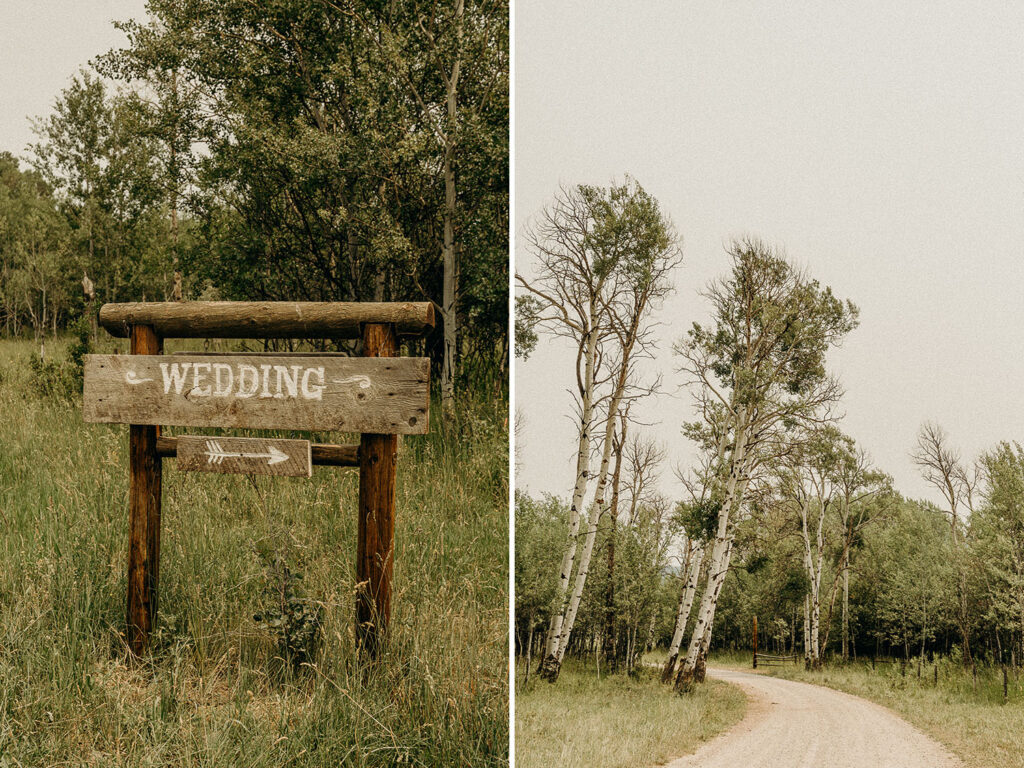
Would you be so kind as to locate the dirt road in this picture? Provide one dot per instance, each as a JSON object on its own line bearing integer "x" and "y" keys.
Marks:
{"x": 798, "y": 725}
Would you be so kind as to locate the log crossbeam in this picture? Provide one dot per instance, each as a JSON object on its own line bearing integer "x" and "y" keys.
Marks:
{"x": 267, "y": 319}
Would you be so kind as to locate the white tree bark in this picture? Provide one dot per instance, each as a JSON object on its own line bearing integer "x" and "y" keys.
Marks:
{"x": 449, "y": 297}
{"x": 814, "y": 563}
{"x": 692, "y": 574}
{"x": 549, "y": 664}
{"x": 720, "y": 554}
{"x": 807, "y": 630}
{"x": 597, "y": 510}
{"x": 846, "y": 608}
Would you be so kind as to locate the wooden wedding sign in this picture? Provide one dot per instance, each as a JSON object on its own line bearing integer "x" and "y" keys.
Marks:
{"x": 378, "y": 395}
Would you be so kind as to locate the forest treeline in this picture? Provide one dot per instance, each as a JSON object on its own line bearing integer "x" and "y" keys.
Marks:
{"x": 322, "y": 151}
{"x": 782, "y": 515}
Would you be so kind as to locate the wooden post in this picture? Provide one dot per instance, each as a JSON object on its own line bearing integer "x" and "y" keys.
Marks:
{"x": 143, "y": 513}
{"x": 755, "y": 642}
{"x": 375, "y": 547}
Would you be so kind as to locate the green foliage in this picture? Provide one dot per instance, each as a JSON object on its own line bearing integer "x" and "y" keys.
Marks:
{"x": 289, "y": 151}
{"x": 540, "y": 537}
{"x": 35, "y": 268}
{"x": 62, "y": 378}
{"x": 772, "y": 328}
{"x": 311, "y": 140}
{"x": 80, "y": 346}
{"x": 293, "y": 619}
{"x": 527, "y": 314}
{"x": 96, "y": 153}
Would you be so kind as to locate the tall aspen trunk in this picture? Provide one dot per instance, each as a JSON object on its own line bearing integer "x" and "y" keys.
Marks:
{"x": 705, "y": 640}
{"x": 549, "y": 662}
{"x": 814, "y": 567}
{"x": 649, "y": 645}
{"x": 719, "y": 565}
{"x": 846, "y": 609}
{"x": 692, "y": 670}
{"x": 553, "y": 659}
{"x": 695, "y": 559}
{"x": 449, "y": 296}
{"x": 610, "y": 654}
{"x": 807, "y": 631}
{"x": 597, "y": 510}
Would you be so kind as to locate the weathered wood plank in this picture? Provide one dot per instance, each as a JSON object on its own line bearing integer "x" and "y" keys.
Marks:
{"x": 376, "y": 529}
{"x": 324, "y": 454}
{"x": 267, "y": 319}
{"x": 384, "y": 396}
{"x": 144, "y": 490}
{"x": 244, "y": 455}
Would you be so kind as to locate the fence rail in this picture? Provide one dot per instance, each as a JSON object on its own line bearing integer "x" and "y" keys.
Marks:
{"x": 771, "y": 660}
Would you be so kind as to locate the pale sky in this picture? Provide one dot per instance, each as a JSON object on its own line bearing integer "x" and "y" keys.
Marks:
{"x": 42, "y": 45}
{"x": 880, "y": 143}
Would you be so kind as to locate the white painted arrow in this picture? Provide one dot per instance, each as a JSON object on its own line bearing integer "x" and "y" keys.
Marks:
{"x": 216, "y": 454}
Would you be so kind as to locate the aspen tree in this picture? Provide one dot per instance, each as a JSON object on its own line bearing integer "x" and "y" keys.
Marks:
{"x": 809, "y": 485}
{"x": 603, "y": 258}
{"x": 758, "y": 371}
{"x": 942, "y": 468}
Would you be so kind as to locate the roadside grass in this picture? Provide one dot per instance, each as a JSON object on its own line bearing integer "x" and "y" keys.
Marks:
{"x": 215, "y": 691}
{"x": 616, "y": 721}
{"x": 965, "y": 713}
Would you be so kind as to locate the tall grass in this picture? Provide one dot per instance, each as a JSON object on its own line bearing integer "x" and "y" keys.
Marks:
{"x": 214, "y": 692}
{"x": 616, "y": 721}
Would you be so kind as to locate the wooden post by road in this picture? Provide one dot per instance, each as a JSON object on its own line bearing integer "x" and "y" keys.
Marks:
{"x": 143, "y": 513}
{"x": 755, "y": 642}
{"x": 375, "y": 546}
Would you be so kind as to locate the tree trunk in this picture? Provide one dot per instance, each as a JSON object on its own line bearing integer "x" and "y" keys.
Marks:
{"x": 846, "y": 611}
{"x": 610, "y": 655}
{"x": 696, "y": 557}
{"x": 807, "y": 631}
{"x": 596, "y": 512}
{"x": 719, "y": 566}
{"x": 693, "y": 667}
{"x": 450, "y": 279}
{"x": 549, "y": 662}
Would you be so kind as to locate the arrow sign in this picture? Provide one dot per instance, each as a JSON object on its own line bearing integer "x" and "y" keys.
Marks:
{"x": 245, "y": 455}
{"x": 216, "y": 455}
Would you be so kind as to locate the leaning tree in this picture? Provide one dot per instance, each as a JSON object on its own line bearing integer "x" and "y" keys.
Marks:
{"x": 602, "y": 261}
{"x": 757, "y": 371}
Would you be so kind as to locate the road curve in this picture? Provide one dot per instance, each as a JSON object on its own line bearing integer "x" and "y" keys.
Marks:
{"x": 799, "y": 725}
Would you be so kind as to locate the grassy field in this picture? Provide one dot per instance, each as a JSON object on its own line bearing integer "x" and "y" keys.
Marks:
{"x": 968, "y": 715}
{"x": 215, "y": 691}
{"x": 617, "y": 721}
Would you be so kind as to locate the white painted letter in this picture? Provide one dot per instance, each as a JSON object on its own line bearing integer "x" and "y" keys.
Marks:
{"x": 266, "y": 381}
{"x": 316, "y": 392}
{"x": 248, "y": 391}
{"x": 176, "y": 376}
{"x": 220, "y": 388}
{"x": 291, "y": 383}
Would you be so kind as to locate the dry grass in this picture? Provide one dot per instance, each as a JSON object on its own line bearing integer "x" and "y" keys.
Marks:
{"x": 214, "y": 692}
{"x": 617, "y": 721}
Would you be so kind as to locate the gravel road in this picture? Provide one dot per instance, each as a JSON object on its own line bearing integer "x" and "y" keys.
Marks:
{"x": 798, "y": 725}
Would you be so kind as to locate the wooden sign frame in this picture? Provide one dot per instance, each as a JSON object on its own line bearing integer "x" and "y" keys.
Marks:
{"x": 379, "y": 325}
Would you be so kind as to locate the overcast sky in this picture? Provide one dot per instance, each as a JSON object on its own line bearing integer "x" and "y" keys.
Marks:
{"x": 880, "y": 143}
{"x": 42, "y": 45}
